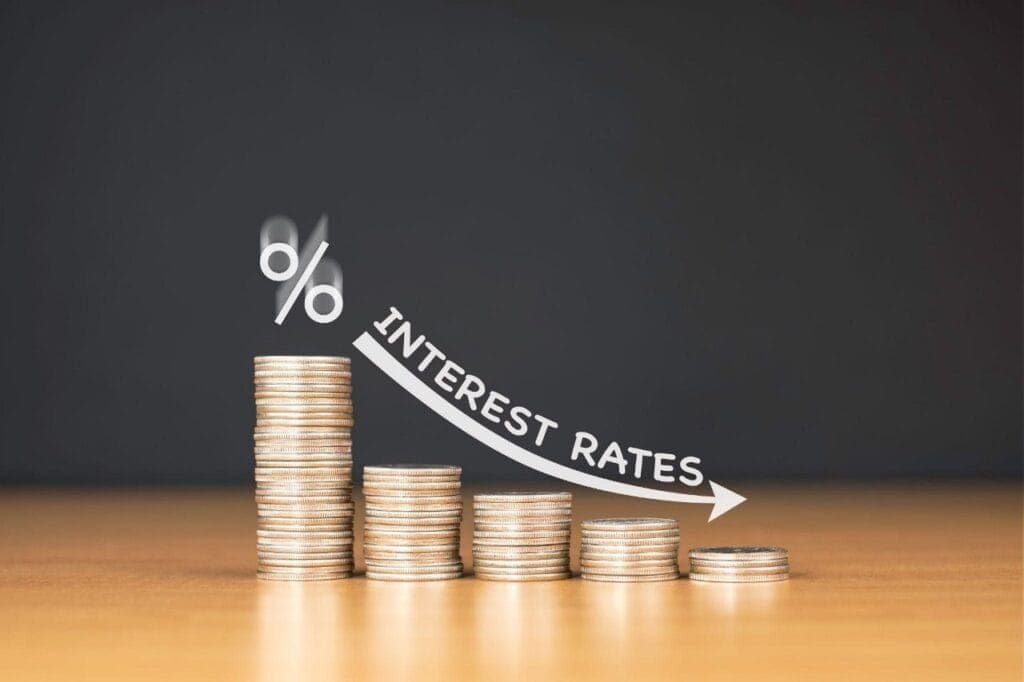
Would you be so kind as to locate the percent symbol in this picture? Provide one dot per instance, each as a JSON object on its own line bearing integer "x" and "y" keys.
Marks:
{"x": 281, "y": 261}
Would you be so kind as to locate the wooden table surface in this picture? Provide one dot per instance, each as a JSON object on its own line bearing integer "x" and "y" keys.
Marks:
{"x": 907, "y": 582}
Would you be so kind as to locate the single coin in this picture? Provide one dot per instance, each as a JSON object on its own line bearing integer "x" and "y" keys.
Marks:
{"x": 619, "y": 557}
{"x": 629, "y": 524}
{"x": 627, "y": 550}
{"x": 328, "y": 460}
{"x": 304, "y": 563}
{"x": 306, "y": 389}
{"x": 512, "y": 551}
{"x": 638, "y": 570}
{"x": 599, "y": 535}
{"x": 524, "y": 578}
{"x": 746, "y": 570}
{"x": 739, "y": 552}
{"x": 386, "y": 478}
{"x": 628, "y": 564}
{"x": 340, "y": 359}
{"x": 408, "y": 524}
{"x": 540, "y": 527}
{"x": 481, "y": 543}
{"x": 711, "y": 565}
{"x": 328, "y": 528}
{"x": 267, "y": 397}
{"x": 301, "y": 449}
{"x": 289, "y": 443}
{"x": 409, "y": 540}
{"x": 713, "y": 578}
{"x": 415, "y": 533}
{"x": 411, "y": 496}
{"x": 340, "y": 570}
{"x": 268, "y": 554}
{"x": 395, "y": 548}
{"x": 514, "y": 516}
{"x": 521, "y": 551}
{"x": 302, "y": 409}
{"x": 420, "y": 558}
{"x": 309, "y": 500}
{"x": 629, "y": 578}
{"x": 413, "y": 485}
{"x": 486, "y": 562}
{"x": 298, "y": 548}
{"x": 301, "y": 371}
{"x": 522, "y": 511}
{"x": 300, "y": 403}
{"x": 518, "y": 498}
{"x": 266, "y": 424}
{"x": 504, "y": 540}
{"x": 336, "y": 512}
{"x": 399, "y": 578}
{"x": 413, "y": 469}
{"x": 302, "y": 434}
{"x": 309, "y": 472}
{"x": 386, "y": 567}
{"x": 397, "y": 509}
{"x": 307, "y": 418}
{"x": 304, "y": 577}
{"x": 626, "y": 543}
{"x": 304, "y": 535}
{"x": 391, "y": 515}
{"x": 521, "y": 569}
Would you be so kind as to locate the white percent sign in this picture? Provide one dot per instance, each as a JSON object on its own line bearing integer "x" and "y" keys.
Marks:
{"x": 281, "y": 261}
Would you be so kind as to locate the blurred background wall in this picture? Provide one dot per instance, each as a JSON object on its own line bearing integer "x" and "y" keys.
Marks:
{"x": 785, "y": 238}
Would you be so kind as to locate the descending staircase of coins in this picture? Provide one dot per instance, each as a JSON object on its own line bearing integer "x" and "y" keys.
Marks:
{"x": 413, "y": 512}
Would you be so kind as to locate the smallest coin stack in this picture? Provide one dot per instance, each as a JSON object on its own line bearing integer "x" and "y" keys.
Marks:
{"x": 742, "y": 564}
{"x": 413, "y": 516}
{"x": 630, "y": 550}
{"x": 522, "y": 537}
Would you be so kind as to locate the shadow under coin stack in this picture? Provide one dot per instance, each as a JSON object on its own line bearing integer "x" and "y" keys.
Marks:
{"x": 522, "y": 537}
{"x": 413, "y": 520}
{"x": 630, "y": 550}
{"x": 303, "y": 450}
{"x": 739, "y": 564}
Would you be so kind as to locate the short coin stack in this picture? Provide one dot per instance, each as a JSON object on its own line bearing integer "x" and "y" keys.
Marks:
{"x": 628, "y": 550}
{"x": 522, "y": 536}
{"x": 413, "y": 520}
{"x": 303, "y": 450}
{"x": 743, "y": 564}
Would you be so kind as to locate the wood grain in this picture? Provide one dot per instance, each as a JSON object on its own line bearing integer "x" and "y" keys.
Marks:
{"x": 908, "y": 582}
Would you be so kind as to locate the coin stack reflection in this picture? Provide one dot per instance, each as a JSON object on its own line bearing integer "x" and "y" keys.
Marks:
{"x": 521, "y": 537}
{"x": 743, "y": 564}
{"x": 413, "y": 520}
{"x": 303, "y": 451}
{"x": 630, "y": 550}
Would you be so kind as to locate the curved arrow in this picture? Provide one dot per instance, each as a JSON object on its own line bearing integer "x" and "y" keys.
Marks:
{"x": 722, "y": 498}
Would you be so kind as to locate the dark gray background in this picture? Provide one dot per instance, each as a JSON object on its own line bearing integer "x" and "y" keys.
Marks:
{"x": 786, "y": 239}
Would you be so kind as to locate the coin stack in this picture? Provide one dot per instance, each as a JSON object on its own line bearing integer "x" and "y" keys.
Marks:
{"x": 628, "y": 550}
{"x": 413, "y": 520}
{"x": 743, "y": 564}
{"x": 303, "y": 449}
{"x": 522, "y": 537}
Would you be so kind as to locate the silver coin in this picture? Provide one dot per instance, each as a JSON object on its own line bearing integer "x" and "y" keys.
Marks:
{"x": 713, "y": 578}
{"x": 413, "y": 469}
{"x": 739, "y": 552}
{"x": 629, "y": 524}
{"x": 629, "y": 578}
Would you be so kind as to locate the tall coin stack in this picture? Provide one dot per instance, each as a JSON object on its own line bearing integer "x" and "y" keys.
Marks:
{"x": 413, "y": 521}
{"x": 522, "y": 537}
{"x": 739, "y": 564}
{"x": 629, "y": 550}
{"x": 303, "y": 450}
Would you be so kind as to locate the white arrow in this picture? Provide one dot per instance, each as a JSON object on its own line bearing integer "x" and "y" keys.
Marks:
{"x": 722, "y": 498}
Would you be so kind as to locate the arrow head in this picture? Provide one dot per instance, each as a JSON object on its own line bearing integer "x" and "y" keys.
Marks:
{"x": 725, "y": 500}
